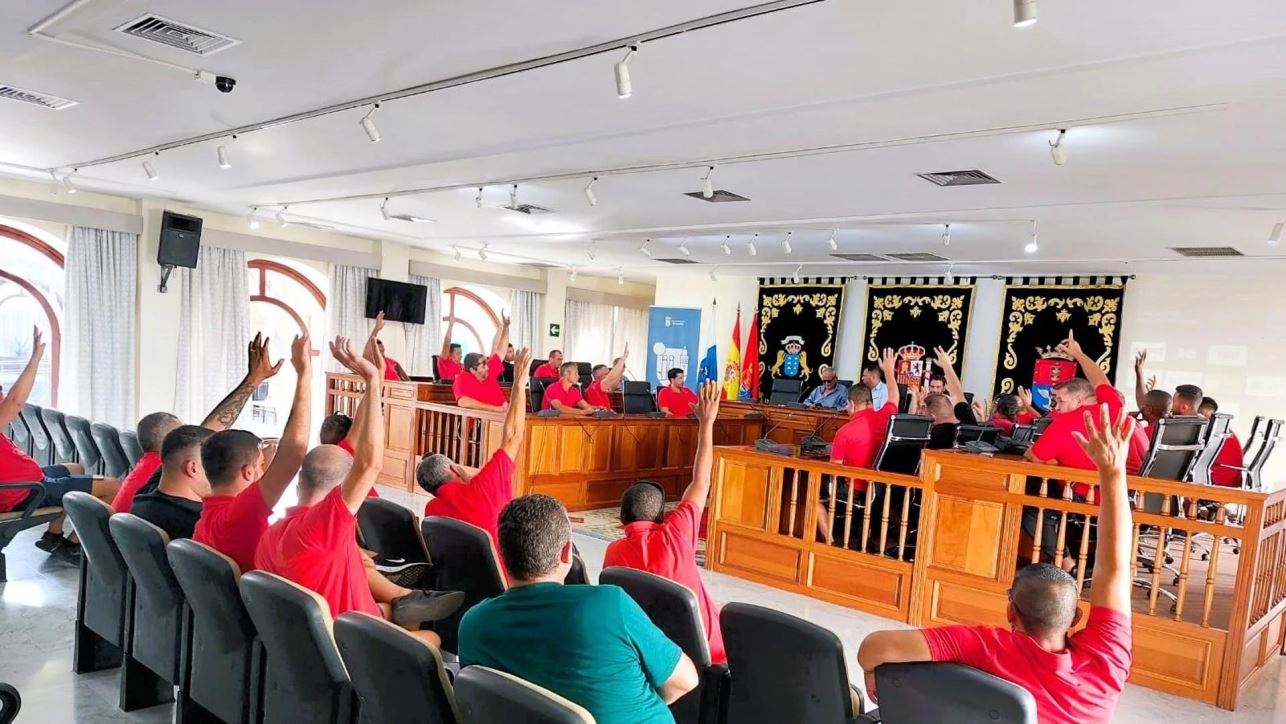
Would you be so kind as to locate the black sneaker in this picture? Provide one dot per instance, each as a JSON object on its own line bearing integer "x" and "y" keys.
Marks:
{"x": 419, "y": 607}
{"x": 50, "y": 542}
{"x": 409, "y": 575}
{"x": 69, "y": 552}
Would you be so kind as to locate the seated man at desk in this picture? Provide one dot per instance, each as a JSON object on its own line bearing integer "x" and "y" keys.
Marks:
{"x": 1076, "y": 678}
{"x": 564, "y": 395}
{"x": 550, "y": 369}
{"x": 873, "y": 378}
{"x": 830, "y": 394}
{"x": 606, "y": 380}
{"x": 478, "y": 386}
{"x": 674, "y": 399}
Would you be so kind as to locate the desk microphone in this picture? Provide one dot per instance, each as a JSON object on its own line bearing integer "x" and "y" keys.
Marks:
{"x": 764, "y": 444}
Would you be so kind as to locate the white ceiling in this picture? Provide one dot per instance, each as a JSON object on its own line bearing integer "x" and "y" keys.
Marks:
{"x": 1174, "y": 107}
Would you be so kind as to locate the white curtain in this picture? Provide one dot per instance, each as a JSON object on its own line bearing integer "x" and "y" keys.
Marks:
{"x": 346, "y": 306}
{"x": 425, "y": 340}
{"x": 98, "y": 354}
{"x": 631, "y": 328}
{"x": 525, "y": 330}
{"x": 588, "y": 332}
{"x": 214, "y": 329}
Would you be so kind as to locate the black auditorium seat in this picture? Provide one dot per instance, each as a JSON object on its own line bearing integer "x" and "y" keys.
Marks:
{"x": 108, "y": 439}
{"x": 674, "y": 609}
{"x": 306, "y": 680}
{"x": 393, "y": 533}
{"x": 579, "y": 573}
{"x": 785, "y": 669}
{"x": 87, "y": 452}
{"x": 397, "y": 676}
{"x": 487, "y": 696}
{"x": 465, "y": 561}
{"x": 41, "y": 448}
{"x": 30, "y": 514}
{"x": 20, "y": 434}
{"x": 130, "y": 445}
{"x": 154, "y": 628}
{"x": 104, "y": 586}
{"x": 56, "y": 425}
{"x": 953, "y": 693}
{"x": 226, "y": 659}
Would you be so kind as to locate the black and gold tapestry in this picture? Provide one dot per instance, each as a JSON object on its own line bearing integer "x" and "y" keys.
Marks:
{"x": 918, "y": 313}
{"x": 1039, "y": 313}
{"x": 798, "y": 326}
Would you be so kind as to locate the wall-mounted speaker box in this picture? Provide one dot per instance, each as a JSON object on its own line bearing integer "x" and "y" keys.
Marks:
{"x": 180, "y": 240}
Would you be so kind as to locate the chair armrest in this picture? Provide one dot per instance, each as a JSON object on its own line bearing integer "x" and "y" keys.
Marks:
{"x": 33, "y": 502}
{"x": 859, "y": 701}
{"x": 716, "y": 685}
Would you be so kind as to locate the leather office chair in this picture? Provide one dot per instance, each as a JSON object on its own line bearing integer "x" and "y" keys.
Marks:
{"x": 41, "y": 448}
{"x": 986, "y": 434}
{"x": 64, "y": 449}
{"x": 537, "y": 391}
{"x": 156, "y": 624}
{"x": 904, "y": 441}
{"x": 465, "y": 561}
{"x": 10, "y": 703}
{"x": 785, "y": 669}
{"x": 1256, "y": 434}
{"x": 108, "y": 439}
{"x": 225, "y": 658}
{"x": 306, "y": 680}
{"x": 637, "y": 397}
{"x": 397, "y": 676}
{"x": 128, "y": 440}
{"x": 673, "y": 608}
{"x": 786, "y": 392}
{"x": 1252, "y": 471}
{"x": 487, "y": 696}
{"x": 31, "y": 514}
{"x": 1040, "y": 425}
{"x": 393, "y": 532}
{"x": 103, "y": 597}
{"x": 1218, "y": 432}
{"x": 1176, "y": 443}
{"x": 87, "y": 452}
{"x": 20, "y": 434}
{"x": 953, "y": 693}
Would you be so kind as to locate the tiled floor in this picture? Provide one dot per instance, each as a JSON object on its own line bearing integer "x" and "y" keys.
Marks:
{"x": 38, "y": 603}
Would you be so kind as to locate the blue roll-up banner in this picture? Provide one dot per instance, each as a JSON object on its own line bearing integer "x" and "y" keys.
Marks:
{"x": 673, "y": 339}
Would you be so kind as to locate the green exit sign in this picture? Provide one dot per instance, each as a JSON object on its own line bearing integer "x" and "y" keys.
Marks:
{"x": 555, "y": 330}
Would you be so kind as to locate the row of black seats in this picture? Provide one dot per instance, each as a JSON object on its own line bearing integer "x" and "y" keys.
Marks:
{"x": 53, "y": 438}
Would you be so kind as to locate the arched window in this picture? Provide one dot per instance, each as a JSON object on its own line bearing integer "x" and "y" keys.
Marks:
{"x": 31, "y": 294}
{"x": 473, "y": 309}
{"x": 285, "y": 301}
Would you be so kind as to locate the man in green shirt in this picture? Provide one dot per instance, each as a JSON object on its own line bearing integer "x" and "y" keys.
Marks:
{"x": 590, "y": 644}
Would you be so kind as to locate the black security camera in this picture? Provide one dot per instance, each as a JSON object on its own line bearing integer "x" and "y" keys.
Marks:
{"x": 225, "y": 84}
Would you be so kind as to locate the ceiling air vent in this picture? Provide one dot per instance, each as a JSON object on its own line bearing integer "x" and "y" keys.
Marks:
{"x": 34, "y": 98}
{"x": 972, "y": 177}
{"x": 1206, "y": 251}
{"x": 680, "y": 260}
{"x": 187, "y": 38}
{"x": 530, "y": 209}
{"x": 859, "y": 257}
{"x": 917, "y": 256}
{"x": 719, "y": 196}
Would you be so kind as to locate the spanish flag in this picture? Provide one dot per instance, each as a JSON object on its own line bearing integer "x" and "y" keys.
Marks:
{"x": 732, "y": 370}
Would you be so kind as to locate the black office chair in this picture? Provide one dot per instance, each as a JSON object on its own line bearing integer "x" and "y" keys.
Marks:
{"x": 846, "y": 384}
{"x": 226, "y": 661}
{"x": 128, "y": 440}
{"x": 579, "y": 573}
{"x": 393, "y": 532}
{"x": 1218, "y": 431}
{"x": 673, "y": 608}
{"x": 537, "y": 391}
{"x": 55, "y": 422}
{"x": 101, "y": 603}
{"x": 1256, "y": 434}
{"x": 1176, "y": 444}
{"x": 1252, "y": 471}
{"x": 306, "y": 679}
{"x": 535, "y": 364}
{"x": 87, "y": 452}
{"x": 785, "y": 391}
{"x": 20, "y": 434}
{"x": 912, "y": 693}
{"x": 487, "y": 696}
{"x": 10, "y": 703}
{"x": 904, "y": 441}
{"x": 465, "y": 560}
{"x": 785, "y": 669}
{"x": 397, "y": 676}
{"x": 985, "y": 434}
{"x": 156, "y": 625}
{"x": 637, "y": 398}
{"x": 41, "y": 448}
{"x": 434, "y": 359}
{"x": 108, "y": 439}
{"x": 1040, "y": 425}
{"x": 31, "y": 514}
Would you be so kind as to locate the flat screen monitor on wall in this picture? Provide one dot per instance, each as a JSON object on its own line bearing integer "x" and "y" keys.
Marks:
{"x": 400, "y": 302}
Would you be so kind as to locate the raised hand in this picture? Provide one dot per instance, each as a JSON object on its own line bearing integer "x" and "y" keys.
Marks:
{"x": 37, "y": 343}
{"x": 259, "y": 363}
{"x": 379, "y": 324}
{"x": 1139, "y": 360}
{"x": 941, "y": 357}
{"x": 1151, "y": 383}
{"x": 1024, "y": 398}
{"x": 522, "y": 367}
{"x": 888, "y": 365}
{"x": 626, "y": 353}
{"x": 301, "y": 353}
{"x": 1071, "y": 347}
{"x": 1106, "y": 442}
{"x": 342, "y": 350}
{"x": 707, "y": 408}
{"x": 504, "y": 320}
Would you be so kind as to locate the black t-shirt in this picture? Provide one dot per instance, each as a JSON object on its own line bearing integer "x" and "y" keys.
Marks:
{"x": 174, "y": 515}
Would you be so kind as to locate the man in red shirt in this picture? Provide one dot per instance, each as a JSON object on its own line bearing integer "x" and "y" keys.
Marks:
{"x": 1076, "y": 678}
{"x": 551, "y": 368}
{"x": 477, "y": 496}
{"x": 315, "y": 544}
{"x": 337, "y": 430}
{"x": 564, "y": 395}
{"x": 858, "y": 442}
{"x": 674, "y": 399}
{"x": 666, "y": 544}
{"x": 606, "y": 380}
{"x": 478, "y": 386}
{"x": 449, "y": 357}
{"x": 1225, "y": 471}
{"x": 55, "y": 480}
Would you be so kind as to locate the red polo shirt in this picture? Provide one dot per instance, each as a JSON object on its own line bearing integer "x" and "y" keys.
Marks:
{"x": 487, "y": 391}
{"x": 348, "y": 448}
{"x": 316, "y": 547}
{"x": 480, "y": 500}
{"x": 1077, "y": 685}
{"x": 570, "y": 397}
{"x": 448, "y": 369}
{"x": 1229, "y": 454}
{"x": 858, "y": 442}
{"x": 136, "y": 479}
{"x": 546, "y": 370}
{"x": 1058, "y": 446}
{"x": 596, "y": 397}
{"x": 234, "y": 524}
{"x": 16, "y": 466}
{"x": 679, "y": 403}
{"x": 669, "y": 549}
{"x": 390, "y": 369}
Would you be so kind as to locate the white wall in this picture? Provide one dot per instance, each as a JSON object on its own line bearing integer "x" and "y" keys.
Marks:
{"x": 695, "y": 290}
